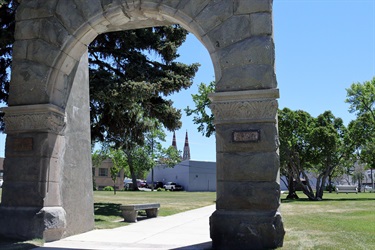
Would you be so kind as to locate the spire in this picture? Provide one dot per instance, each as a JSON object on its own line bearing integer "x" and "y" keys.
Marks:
{"x": 186, "y": 155}
{"x": 174, "y": 143}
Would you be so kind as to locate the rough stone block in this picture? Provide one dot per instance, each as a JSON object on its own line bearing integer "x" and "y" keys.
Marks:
{"x": 247, "y": 166}
{"x": 215, "y": 13}
{"x": 29, "y": 169}
{"x": 116, "y": 18}
{"x": 268, "y": 138}
{"x": 70, "y": 16}
{"x": 261, "y": 24}
{"x": 248, "y": 195}
{"x": 89, "y": 8}
{"x": 27, "y": 29}
{"x": 191, "y": 8}
{"x": 20, "y": 49}
{"x": 43, "y": 52}
{"x": 232, "y": 30}
{"x": 52, "y": 31}
{"x": 247, "y": 77}
{"x": 28, "y": 83}
{"x": 253, "y": 50}
{"x": 246, "y": 230}
{"x": 109, "y": 5}
{"x": 245, "y": 7}
{"x": 35, "y": 9}
{"x": 21, "y": 222}
{"x": 27, "y": 193}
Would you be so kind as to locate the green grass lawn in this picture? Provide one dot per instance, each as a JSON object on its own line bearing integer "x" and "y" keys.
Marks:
{"x": 340, "y": 221}
{"x": 107, "y": 205}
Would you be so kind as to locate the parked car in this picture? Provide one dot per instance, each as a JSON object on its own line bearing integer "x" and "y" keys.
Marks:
{"x": 142, "y": 184}
{"x": 172, "y": 186}
{"x": 368, "y": 189}
{"x": 157, "y": 184}
{"x": 128, "y": 186}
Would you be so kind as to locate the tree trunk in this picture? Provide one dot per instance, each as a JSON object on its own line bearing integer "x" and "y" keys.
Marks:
{"x": 292, "y": 195}
{"x": 330, "y": 183}
{"x": 132, "y": 173}
{"x": 114, "y": 187}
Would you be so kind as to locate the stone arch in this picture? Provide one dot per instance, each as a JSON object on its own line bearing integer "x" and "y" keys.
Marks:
{"x": 49, "y": 99}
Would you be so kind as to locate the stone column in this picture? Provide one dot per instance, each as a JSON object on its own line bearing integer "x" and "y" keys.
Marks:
{"x": 47, "y": 191}
{"x": 32, "y": 169}
{"x": 248, "y": 181}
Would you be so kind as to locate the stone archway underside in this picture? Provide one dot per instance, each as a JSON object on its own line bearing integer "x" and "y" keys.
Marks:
{"x": 47, "y": 191}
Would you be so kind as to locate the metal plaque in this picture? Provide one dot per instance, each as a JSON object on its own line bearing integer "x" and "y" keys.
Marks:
{"x": 246, "y": 136}
{"x": 22, "y": 144}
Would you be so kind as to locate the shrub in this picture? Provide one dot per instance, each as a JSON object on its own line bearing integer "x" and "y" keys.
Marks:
{"x": 108, "y": 188}
{"x": 332, "y": 186}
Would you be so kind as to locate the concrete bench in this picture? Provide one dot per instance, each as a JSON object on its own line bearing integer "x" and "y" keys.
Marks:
{"x": 130, "y": 212}
{"x": 346, "y": 189}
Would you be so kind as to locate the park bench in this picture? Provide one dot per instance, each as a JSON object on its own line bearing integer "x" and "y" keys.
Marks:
{"x": 346, "y": 189}
{"x": 130, "y": 212}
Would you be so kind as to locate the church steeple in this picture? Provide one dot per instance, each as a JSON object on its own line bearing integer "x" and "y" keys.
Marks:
{"x": 186, "y": 155}
{"x": 174, "y": 143}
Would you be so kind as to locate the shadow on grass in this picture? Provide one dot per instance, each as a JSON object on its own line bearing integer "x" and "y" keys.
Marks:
{"x": 107, "y": 209}
{"x": 9, "y": 244}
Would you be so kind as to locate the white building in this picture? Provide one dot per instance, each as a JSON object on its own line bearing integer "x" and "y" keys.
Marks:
{"x": 192, "y": 175}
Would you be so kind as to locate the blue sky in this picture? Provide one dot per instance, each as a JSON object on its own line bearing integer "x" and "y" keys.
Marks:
{"x": 322, "y": 47}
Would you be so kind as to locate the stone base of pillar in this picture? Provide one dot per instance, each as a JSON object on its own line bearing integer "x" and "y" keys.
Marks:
{"x": 27, "y": 223}
{"x": 246, "y": 230}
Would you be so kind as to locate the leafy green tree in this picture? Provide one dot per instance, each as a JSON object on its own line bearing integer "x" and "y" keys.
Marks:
{"x": 361, "y": 97}
{"x": 159, "y": 155}
{"x": 126, "y": 83}
{"x": 310, "y": 145}
{"x": 294, "y": 130}
{"x": 328, "y": 148}
{"x": 202, "y": 114}
{"x": 119, "y": 162}
{"x": 170, "y": 157}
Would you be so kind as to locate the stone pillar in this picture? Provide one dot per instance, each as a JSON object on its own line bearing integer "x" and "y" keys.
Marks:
{"x": 47, "y": 167}
{"x": 248, "y": 181}
{"x": 32, "y": 172}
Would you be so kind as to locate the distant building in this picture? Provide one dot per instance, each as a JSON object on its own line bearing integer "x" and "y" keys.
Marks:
{"x": 192, "y": 175}
{"x": 102, "y": 176}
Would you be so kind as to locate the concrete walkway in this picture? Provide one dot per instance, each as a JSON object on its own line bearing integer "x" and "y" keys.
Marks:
{"x": 187, "y": 230}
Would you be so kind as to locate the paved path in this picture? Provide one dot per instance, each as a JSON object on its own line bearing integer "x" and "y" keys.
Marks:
{"x": 187, "y": 230}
